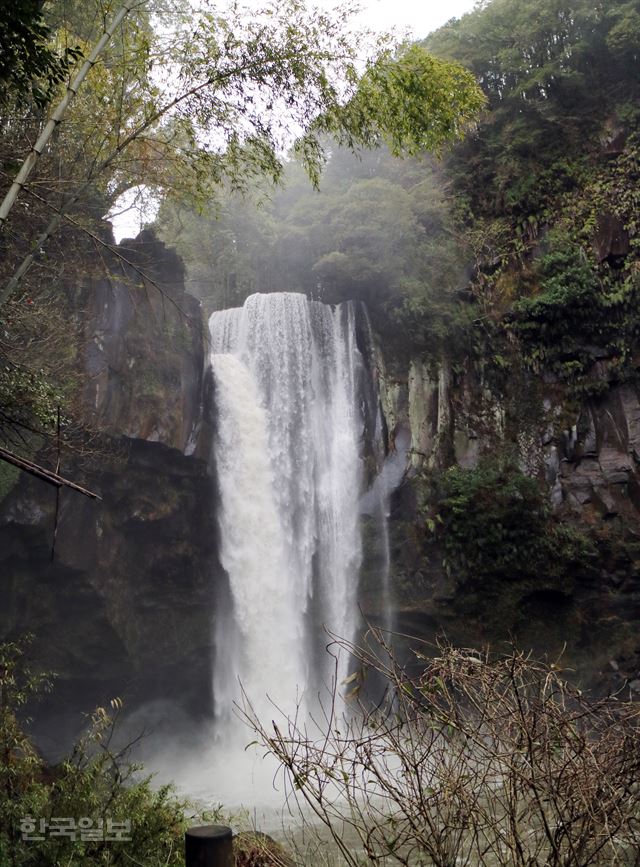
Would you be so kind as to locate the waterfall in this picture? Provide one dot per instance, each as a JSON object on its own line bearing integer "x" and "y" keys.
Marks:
{"x": 287, "y": 452}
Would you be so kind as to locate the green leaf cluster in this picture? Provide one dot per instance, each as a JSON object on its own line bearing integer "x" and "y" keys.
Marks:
{"x": 553, "y": 160}
{"x": 576, "y": 318}
{"x": 29, "y": 63}
{"x": 496, "y": 526}
{"x": 552, "y": 73}
{"x": 27, "y": 397}
{"x": 379, "y": 230}
{"x": 412, "y": 101}
{"x": 96, "y": 781}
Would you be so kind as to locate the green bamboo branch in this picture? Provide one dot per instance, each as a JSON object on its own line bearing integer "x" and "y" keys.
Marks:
{"x": 57, "y": 116}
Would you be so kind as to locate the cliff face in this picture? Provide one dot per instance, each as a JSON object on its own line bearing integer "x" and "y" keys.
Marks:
{"x": 124, "y": 606}
{"x": 589, "y": 455}
{"x": 145, "y": 348}
{"x": 585, "y": 457}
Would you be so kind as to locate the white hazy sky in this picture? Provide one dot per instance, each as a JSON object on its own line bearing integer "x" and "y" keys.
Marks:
{"x": 422, "y": 16}
{"x": 419, "y": 17}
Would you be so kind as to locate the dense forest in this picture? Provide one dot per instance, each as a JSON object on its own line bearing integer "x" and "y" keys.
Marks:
{"x": 475, "y": 196}
{"x": 543, "y": 186}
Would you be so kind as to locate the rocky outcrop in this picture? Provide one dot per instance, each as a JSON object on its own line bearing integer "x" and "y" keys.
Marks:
{"x": 145, "y": 347}
{"x": 595, "y": 461}
{"x": 123, "y": 607}
{"x": 588, "y": 457}
{"x": 599, "y": 457}
{"x": 611, "y": 239}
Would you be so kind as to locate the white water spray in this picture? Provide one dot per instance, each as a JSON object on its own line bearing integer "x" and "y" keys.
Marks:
{"x": 287, "y": 450}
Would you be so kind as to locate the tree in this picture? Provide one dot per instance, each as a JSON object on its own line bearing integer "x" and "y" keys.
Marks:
{"x": 242, "y": 88}
{"x": 552, "y": 75}
{"x": 58, "y": 116}
{"x": 28, "y": 62}
{"x": 379, "y": 229}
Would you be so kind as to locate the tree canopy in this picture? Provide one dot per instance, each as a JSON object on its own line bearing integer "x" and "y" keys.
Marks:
{"x": 552, "y": 73}
{"x": 551, "y": 161}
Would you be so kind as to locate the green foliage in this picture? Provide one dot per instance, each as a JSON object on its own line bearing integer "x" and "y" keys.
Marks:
{"x": 555, "y": 324}
{"x": 28, "y": 62}
{"x": 551, "y": 73}
{"x": 496, "y": 527}
{"x": 27, "y": 397}
{"x": 246, "y": 86}
{"x": 624, "y": 36}
{"x": 379, "y": 230}
{"x": 576, "y": 319}
{"x": 96, "y": 781}
{"x": 19, "y": 762}
{"x": 411, "y": 101}
{"x": 36, "y": 370}
{"x": 534, "y": 189}
{"x": 406, "y": 237}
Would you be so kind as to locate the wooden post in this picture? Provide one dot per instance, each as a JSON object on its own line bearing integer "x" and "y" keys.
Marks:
{"x": 208, "y": 846}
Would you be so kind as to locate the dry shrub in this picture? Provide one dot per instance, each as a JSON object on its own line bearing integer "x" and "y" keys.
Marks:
{"x": 254, "y": 849}
{"x": 482, "y": 759}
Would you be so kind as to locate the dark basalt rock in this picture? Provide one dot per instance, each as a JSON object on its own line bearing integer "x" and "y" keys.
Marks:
{"x": 145, "y": 355}
{"x": 125, "y": 607}
{"x": 611, "y": 239}
{"x": 588, "y": 456}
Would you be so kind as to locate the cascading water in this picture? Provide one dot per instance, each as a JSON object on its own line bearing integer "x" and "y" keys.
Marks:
{"x": 287, "y": 451}
{"x": 297, "y": 417}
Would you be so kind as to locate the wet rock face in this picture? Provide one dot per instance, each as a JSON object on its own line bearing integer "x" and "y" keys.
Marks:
{"x": 124, "y": 608}
{"x": 611, "y": 239}
{"x": 588, "y": 457}
{"x": 594, "y": 462}
{"x": 599, "y": 464}
{"x": 145, "y": 347}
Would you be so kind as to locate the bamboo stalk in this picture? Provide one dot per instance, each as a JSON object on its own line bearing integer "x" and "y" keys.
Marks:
{"x": 58, "y": 489}
{"x": 56, "y": 118}
{"x": 42, "y": 473}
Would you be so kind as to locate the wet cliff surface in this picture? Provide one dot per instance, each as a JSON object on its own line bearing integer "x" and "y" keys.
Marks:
{"x": 583, "y": 456}
{"x": 123, "y": 605}
{"x": 145, "y": 347}
{"x": 126, "y": 605}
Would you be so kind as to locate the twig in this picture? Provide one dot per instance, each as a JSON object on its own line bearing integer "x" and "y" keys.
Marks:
{"x": 55, "y": 523}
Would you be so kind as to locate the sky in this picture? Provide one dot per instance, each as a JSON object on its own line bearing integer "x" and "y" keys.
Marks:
{"x": 418, "y": 16}
{"x": 422, "y": 16}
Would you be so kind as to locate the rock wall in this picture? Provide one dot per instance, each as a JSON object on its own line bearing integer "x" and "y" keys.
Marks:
{"x": 124, "y": 605}
{"x": 586, "y": 456}
{"x": 145, "y": 347}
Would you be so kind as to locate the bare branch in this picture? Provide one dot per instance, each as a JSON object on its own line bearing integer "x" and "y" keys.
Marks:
{"x": 43, "y": 474}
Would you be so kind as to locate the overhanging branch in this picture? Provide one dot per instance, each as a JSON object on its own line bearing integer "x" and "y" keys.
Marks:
{"x": 43, "y": 474}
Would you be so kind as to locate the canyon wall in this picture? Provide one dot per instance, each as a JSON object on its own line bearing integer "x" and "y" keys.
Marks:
{"x": 122, "y": 607}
